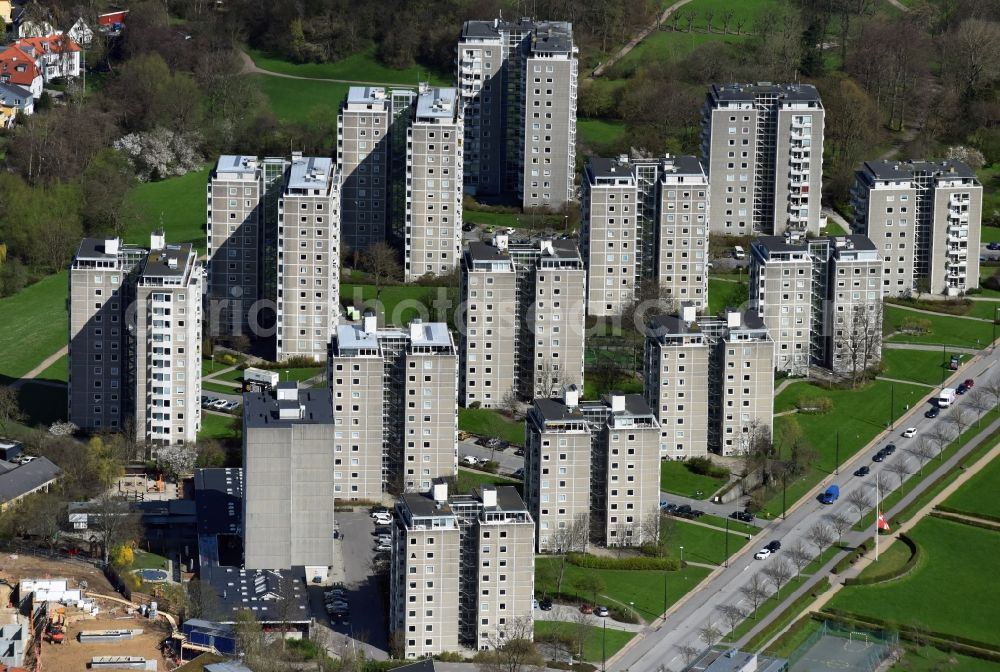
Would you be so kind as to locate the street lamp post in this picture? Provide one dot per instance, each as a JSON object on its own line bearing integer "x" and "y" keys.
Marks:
{"x": 631, "y": 606}
{"x": 783, "y": 481}
{"x": 664, "y": 595}
{"x": 944, "y": 363}
{"x": 892, "y": 406}
{"x": 682, "y": 556}
{"x": 727, "y": 541}
{"x": 604, "y": 648}
{"x": 836, "y": 469}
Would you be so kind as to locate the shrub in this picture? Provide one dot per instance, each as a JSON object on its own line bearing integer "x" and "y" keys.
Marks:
{"x": 814, "y": 405}
{"x": 851, "y": 558}
{"x": 476, "y": 404}
{"x": 633, "y": 563}
{"x": 915, "y": 325}
{"x": 704, "y": 466}
{"x": 450, "y": 657}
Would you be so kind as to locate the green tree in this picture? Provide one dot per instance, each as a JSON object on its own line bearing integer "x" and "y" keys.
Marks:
{"x": 103, "y": 188}
{"x": 591, "y": 583}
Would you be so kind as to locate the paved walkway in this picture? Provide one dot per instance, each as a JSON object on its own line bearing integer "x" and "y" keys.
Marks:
{"x": 856, "y": 537}
{"x": 46, "y": 363}
{"x": 250, "y": 68}
{"x": 899, "y": 380}
{"x": 898, "y": 5}
{"x": 936, "y": 347}
{"x": 568, "y": 614}
{"x": 936, "y": 313}
{"x": 634, "y": 42}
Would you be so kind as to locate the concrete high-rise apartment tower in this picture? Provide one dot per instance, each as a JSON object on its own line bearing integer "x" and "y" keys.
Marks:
{"x": 288, "y": 498}
{"x": 800, "y": 291}
{"x": 462, "y": 572}
{"x": 308, "y": 258}
{"x": 363, "y": 146}
{"x": 925, "y": 218}
{"x": 147, "y": 371}
{"x": 644, "y": 220}
{"x": 518, "y": 84}
{"x": 101, "y": 361}
{"x": 433, "y": 236}
{"x": 762, "y": 145}
{"x": 722, "y": 369}
{"x": 675, "y": 366}
{"x": 608, "y": 236}
{"x": 557, "y": 472}
{"x": 234, "y": 229}
{"x": 168, "y": 331}
{"x": 243, "y": 194}
{"x": 488, "y": 347}
{"x": 411, "y": 376}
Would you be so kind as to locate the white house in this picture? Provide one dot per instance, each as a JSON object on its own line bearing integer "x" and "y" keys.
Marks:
{"x": 16, "y": 98}
{"x": 81, "y": 33}
{"x": 55, "y": 55}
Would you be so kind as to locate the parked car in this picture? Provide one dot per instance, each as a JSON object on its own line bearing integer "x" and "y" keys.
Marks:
{"x": 862, "y": 471}
{"x": 669, "y": 508}
{"x": 545, "y": 604}
{"x": 381, "y": 529}
{"x": 586, "y": 608}
{"x": 762, "y": 554}
{"x": 744, "y": 516}
{"x": 383, "y": 547}
{"x": 463, "y": 435}
{"x": 739, "y": 252}
{"x": 601, "y": 611}
{"x": 830, "y": 496}
{"x": 383, "y": 519}
{"x": 519, "y": 452}
{"x": 993, "y": 246}
{"x": 961, "y": 389}
{"x": 879, "y": 456}
{"x": 380, "y": 511}
{"x": 519, "y": 473}
{"x": 932, "y": 412}
{"x": 219, "y": 404}
{"x": 909, "y": 432}
{"x": 773, "y": 546}
{"x": 969, "y": 383}
{"x": 470, "y": 460}
{"x": 468, "y": 227}
{"x": 889, "y": 449}
{"x": 954, "y": 362}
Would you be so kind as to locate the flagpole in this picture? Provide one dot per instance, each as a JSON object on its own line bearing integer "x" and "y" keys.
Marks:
{"x": 877, "y": 503}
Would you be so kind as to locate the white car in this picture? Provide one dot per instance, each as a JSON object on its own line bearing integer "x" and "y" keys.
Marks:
{"x": 383, "y": 547}
{"x": 910, "y": 432}
{"x": 470, "y": 460}
{"x": 762, "y": 554}
{"x": 384, "y": 520}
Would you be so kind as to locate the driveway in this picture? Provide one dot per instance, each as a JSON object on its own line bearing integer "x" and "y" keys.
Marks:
{"x": 568, "y": 614}
{"x": 508, "y": 461}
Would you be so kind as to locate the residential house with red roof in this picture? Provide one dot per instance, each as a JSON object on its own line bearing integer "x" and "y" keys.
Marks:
{"x": 55, "y": 55}
{"x": 17, "y": 67}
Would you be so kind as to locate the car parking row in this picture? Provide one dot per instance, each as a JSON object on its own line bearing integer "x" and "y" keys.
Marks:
{"x": 216, "y": 404}
{"x": 680, "y": 511}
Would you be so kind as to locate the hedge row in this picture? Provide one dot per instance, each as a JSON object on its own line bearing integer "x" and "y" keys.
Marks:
{"x": 795, "y": 607}
{"x": 637, "y": 563}
{"x": 895, "y": 574}
{"x": 790, "y": 634}
{"x": 850, "y": 558}
{"x": 941, "y": 640}
{"x": 984, "y": 516}
{"x": 944, "y": 515}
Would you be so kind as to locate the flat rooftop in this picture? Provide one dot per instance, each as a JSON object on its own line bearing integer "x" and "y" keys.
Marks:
{"x": 311, "y": 172}
{"x": 670, "y": 325}
{"x": 94, "y": 248}
{"x": 235, "y": 163}
{"x": 263, "y": 409}
{"x": 437, "y": 103}
{"x": 905, "y": 170}
{"x": 750, "y": 92}
{"x": 477, "y": 251}
{"x": 779, "y": 244}
{"x": 365, "y": 95}
{"x": 430, "y": 333}
{"x": 354, "y": 337}
{"x": 171, "y": 261}
{"x": 552, "y": 37}
{"x": 555, "y": 410}
{"x": 682, "y": 164}
{"x": 853, "y": 242}
{"x": 600, "y": 167}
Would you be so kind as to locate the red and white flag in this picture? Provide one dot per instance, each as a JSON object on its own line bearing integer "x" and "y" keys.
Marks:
{"x": 882, "y": 525}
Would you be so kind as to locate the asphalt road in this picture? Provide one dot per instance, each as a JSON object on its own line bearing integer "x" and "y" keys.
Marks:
{"x": 661, "y": 646}
{"x": 508, "y": 461}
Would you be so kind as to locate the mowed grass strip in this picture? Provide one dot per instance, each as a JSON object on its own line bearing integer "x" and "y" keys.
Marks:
{"x": 724, "y": 293}
{"x": 700, "y": 543}
{"x": 217, "y": 427}
{"x": 360, "y": 67}
{"x": 944, "y": 329}
{"x": 490, "y": 423}
{"x": 920, "y": 366}
{"x": 956, "y": 561}
{"x": 36, "y": 325}
{"x": 469, "y": 480}
{"x": 596, "y": 641}
{"x": 302, "y": 100}
{"x": 644, "y": 588}
{"x": 858, "y": 415}
{"x": 675, "y": 477}
{"x": 178, "y": 205}
{"x": 979, "y": 494}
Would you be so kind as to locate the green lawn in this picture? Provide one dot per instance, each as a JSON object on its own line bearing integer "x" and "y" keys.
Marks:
{"x": 930, "y": 659}
{"x": 36, "y": 326}
{"x": 301, "y": 374}
{"x": 723, "y": 294}
{"x": 629, "y": 385}
{"x": 177, "y": 205}
{"x": 360, "y": 67}
{"x": 987, "y": 310}
{"x": 701, "y": 544}
{"x": 490, "y": 423}
{"x": 857, "y": 415}
{"x": 515, "y": 220}
{"x": 920, "y": 366}
{"x": 234, "y": 376}
{"x": 989, "y": 234}
{"x": 598, "y": 641}
{"x": 644, "y": 588}
{"x": 670, "y": 46}
{"x": 469, "y": 480}
{"x": 59, "y": 370}
{"x": 955, "y": 561}
{"x": 834, "y": 229}
{"x": 979, "y": 493}
{"x": 600, "y": 134}
{"x": 399, "y": 304}
{"x": 890, "y": 560}
{"x": 734, "y": 525}
{"x": 943, "y": 329}
{"x": 675, "y": 477}
{"x": 148, "y": 560}
{"x": 208, "y": 386}
{"x": 303, "y": 100}
{"x": 217, "y": 427}
{"x": 42, "y": 404}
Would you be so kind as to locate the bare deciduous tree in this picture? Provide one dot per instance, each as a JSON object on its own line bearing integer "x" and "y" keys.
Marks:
{"x": 979, "y": 401}
{"x": 732, "y": 614}
{"x": 960, "y": 419}
{"x": 858, "y": 499}
{"x": 940, "y": 435}
{"x": 688, "y": 652}
{"x": 510, "y": 404}
{"x": 10, "y": 407}
{"x": 840, "y": 524}
{"x": 799, "y": 556}
{"x": 858, "y": 340}
{"x": 820, "y": 536}
{"x": 778, "y": 572}
{"x": 114, "y": 523}
{"x": 884, "y": 481}
{"x": 922, "y": 452}
{"x": 380, "y": 261}
{"x": 709, "y": 633}
{"x": 755, "y": 591}
{"x": 992, "y": 388}
{"x": 512, "y": 648}
{"x": 650, "y": 528}
{"x": 727, "y": 19}
{"x": 901, "y": 469}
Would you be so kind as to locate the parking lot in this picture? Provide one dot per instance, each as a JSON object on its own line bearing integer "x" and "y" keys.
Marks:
{"x": 364, "y": 590}
{"x": 508, "y": 461}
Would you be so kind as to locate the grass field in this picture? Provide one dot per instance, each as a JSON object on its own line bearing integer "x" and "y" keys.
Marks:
{"x": 597, "y": 641}
{"x": 701, "y": 544}
{"x": 469, "y": 480}
{"x": 398, "y": 303}
{"x": 642, "y": 587}
{"x": 303, "y": 100}
{"x": 670, "y": 46}
{"x": 857, "y": 415}
{"x": 600, "y": 134}
{"x": 59, "y": 370}
{"x": 147, "y": 560}
{"x": 628, "y": 385}
{"x": 515, "y": 220}
{"x": 36, "y": 326}
{"x": 488, "y": 422}
{"x": 979, "y": 493}
{"x": 360, "y": 67}
{"x": 929, "y": 659}
{"x": 920, "y": 366}
{"x": 675, "y": 477}
{"x": 217, "y": 427}
{"x": 943, "y": 329}
{"x": 988, "y": 310}
{"x": 953, "y": 559}
{"x": 207, "y": 386}
{"x": 723, "y": 293}
{"x": 178, "y": 205}
{"x": 734, "y": 525}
